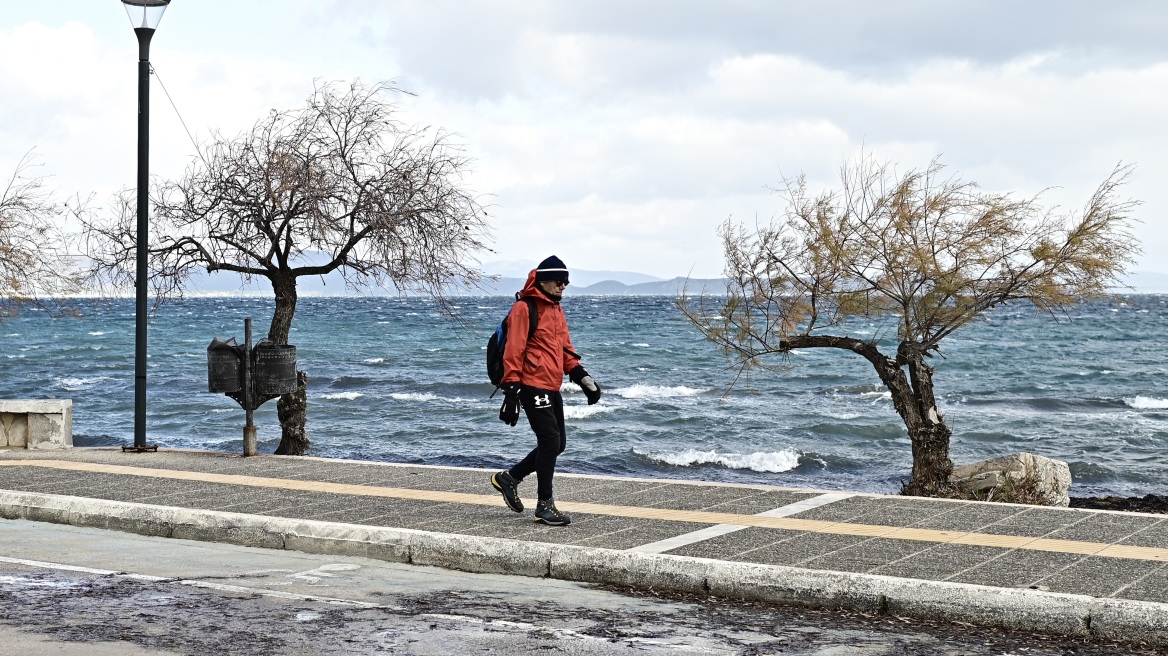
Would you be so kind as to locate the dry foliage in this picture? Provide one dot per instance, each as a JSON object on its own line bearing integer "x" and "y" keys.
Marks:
{"x": 33, "y": 253}
{"x": 924, "y": 251}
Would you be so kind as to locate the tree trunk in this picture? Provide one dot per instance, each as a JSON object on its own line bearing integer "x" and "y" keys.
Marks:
{"x": 926, "y": 427}
{"x": 913, "y": 398}
{"x": 284, "y": 288}
{"x": 292, "y": 409}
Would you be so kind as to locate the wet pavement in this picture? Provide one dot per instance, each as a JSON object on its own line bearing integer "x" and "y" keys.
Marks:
{"x": 1084, "y": 573}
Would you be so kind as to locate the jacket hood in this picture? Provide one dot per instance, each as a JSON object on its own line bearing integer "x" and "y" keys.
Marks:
{"x": 531, "y": 288}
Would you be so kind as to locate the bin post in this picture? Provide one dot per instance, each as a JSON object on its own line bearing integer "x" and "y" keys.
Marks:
{"x": 251, "y": 374}
{"x": 249, "y": 429}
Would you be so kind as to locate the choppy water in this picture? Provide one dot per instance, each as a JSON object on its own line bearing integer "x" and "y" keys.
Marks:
{"x": 392, "y": 380}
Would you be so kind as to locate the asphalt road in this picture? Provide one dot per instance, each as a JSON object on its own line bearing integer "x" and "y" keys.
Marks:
{"x": 68, "y": 590}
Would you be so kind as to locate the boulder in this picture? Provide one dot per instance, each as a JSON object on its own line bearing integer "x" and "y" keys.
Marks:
{"x": 1016, "y": 478}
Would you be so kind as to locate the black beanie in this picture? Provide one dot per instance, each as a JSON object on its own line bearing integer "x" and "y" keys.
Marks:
{"x": 552, "y": 268}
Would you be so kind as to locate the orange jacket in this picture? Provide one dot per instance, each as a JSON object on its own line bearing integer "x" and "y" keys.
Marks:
{"x": 548, "y": 356}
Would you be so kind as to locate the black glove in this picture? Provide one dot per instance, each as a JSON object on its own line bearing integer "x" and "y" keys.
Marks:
{"x": 580, "y": 376}
{"x": 509, "y": 411}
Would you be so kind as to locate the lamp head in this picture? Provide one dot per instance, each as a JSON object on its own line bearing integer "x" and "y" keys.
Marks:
{"x": 145, "y": 14}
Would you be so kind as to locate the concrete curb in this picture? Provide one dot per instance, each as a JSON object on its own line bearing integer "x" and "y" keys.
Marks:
{"x": 1032, "y": 610}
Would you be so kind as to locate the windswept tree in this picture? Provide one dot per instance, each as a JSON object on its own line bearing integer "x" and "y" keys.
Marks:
{"x": 34, "y": 259}
{"x": 927, "y": 252}
{"x": 339, "y": 184}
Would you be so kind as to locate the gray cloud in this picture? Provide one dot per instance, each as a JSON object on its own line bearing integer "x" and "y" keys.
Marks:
{"x": 496, "y": 48}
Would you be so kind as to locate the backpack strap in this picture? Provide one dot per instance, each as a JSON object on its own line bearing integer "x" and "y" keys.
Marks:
{"x": 532, "y": 315}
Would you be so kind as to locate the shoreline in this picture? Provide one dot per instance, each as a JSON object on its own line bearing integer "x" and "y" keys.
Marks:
{"x": 1149, "y": 503}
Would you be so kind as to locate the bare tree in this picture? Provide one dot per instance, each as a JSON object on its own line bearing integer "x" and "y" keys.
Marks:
{"x": 33, "y": 253}
{"x": 338, "y": 184}
{"x": 927, "y": 252}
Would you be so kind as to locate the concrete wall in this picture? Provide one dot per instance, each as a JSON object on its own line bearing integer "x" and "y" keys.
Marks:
{"x": 36, "y": 423}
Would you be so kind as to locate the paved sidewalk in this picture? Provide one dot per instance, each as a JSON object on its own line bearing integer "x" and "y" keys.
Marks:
{"x": 1071, "y": 572}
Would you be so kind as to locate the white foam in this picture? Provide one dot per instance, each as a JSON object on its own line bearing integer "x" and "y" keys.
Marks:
{"x": 1147, "y": 403}
{"x": 97, "y": 333}
{"x": 74, "y": 384}
{"x": 771, "y": 462}
{"x": 655, "y": 392}
{"x": 347, "y": 396}
{"x": 374, "y": 361}
{"x": 413, "y": 396}
{"x": 584, "y": 411}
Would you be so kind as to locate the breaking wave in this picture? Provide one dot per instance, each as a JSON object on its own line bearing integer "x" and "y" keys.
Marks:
{"x": 412, "y": 396}
{"x": 348, "y": 396}
{"x": 655, "y": 392}
{"x": 584, "y": 411}
{"x": 771, "y": 462}
{"x": 1147, "y": 403}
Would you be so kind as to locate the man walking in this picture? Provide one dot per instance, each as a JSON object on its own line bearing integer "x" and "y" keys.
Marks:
{"x": 533, "y": 371}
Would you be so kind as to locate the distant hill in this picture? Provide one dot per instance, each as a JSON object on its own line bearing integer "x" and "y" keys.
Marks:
{"x": 1146, "y": 282}
{"x": 584, "y": 283}
{"x": 580, "y": 277}
{"x": 692, "y": 286}
{"x": 696, "y": 286}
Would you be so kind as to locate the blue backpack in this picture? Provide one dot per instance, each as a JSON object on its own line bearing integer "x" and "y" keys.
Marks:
{"x": 498, "y": 341}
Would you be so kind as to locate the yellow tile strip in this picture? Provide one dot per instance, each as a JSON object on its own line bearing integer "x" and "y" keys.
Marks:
{"x": 691, "y": 516}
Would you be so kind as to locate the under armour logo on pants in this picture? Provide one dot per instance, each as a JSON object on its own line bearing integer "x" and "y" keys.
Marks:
{"x": 542, "y": 401}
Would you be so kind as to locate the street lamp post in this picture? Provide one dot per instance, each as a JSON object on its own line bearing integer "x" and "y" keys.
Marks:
{"x": 144, "y": 17}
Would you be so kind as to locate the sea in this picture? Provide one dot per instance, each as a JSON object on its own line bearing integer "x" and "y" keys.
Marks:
{"x": 396, "y": 380}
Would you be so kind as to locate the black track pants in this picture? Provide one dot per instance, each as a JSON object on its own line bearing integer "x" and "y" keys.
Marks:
{"x": 545, "y": 413}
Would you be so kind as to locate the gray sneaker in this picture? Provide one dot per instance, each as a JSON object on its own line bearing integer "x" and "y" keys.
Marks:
{"x": 509, "y": 487}
{"x": 547, "y": 513}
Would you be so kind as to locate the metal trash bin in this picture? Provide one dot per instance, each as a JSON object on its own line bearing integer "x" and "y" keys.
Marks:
{"x": 275, "y": 368}
{"x": 224, "y": 366}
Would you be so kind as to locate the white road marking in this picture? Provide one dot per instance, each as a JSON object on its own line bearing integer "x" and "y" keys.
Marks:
{"x": 222, "y": 587}
{"x": 661, "y": 546}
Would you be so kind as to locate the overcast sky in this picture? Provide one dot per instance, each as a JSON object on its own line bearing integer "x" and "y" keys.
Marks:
{"x": 619, "y": 135}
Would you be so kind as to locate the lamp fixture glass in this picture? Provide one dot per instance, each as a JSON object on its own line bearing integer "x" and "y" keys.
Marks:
{"x": 145, "y": 13}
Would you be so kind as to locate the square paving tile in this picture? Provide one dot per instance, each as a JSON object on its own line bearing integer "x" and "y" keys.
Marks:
{"x": 899, "y": 511}
{"x": 641, "y": 533}
{"x": 799, "y": 550}
{"x": 868, "y": 555}
{"x": 1155, "y": 535}
{"x": 1017, "y": 568}
{"x": 684, "y": 497}
{"x": 971, "y": 517}
{"x": 1106, "y": 528}
{"x": 840, "y": 511}
{"x": 1035, "y": 522}
{"x": 761, "y": 501}
{"x": 600, "y": 491}
{"x": 1099, "y": 577}
{"x": 505, "y": 527}
{"x": 583, "y": 528}
{"x": 1153, "y": 587}
{"x": 939, "y": 562}
{"x": 730, "y": 545}
{"x": 57, "y": 487}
